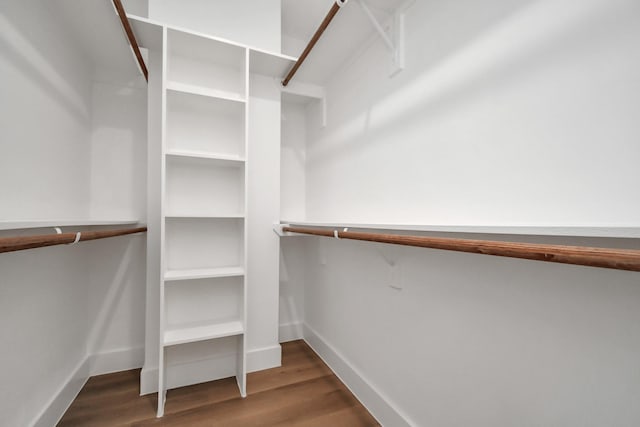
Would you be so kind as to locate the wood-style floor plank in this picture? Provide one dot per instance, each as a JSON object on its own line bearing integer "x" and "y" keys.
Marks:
{"x": 302, "y": 392}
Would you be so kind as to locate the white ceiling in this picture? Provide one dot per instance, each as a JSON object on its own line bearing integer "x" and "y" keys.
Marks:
{"x": 346, "y": 34}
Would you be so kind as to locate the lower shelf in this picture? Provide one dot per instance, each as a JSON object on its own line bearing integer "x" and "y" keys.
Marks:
{"x": 201, "y": 331}
{"x": 203, "y": 273}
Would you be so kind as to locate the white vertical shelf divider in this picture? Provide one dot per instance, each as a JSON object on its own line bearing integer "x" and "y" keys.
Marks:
{"x": 162, "y": 389}
{"x": 203, "y": 285}
{"x": 242, "y": 350}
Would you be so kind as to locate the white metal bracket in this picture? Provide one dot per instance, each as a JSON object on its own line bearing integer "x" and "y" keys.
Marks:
{"x": 310, "y": 91}
{"x": 395, "y": 43}
{"x": 277, "y": 228}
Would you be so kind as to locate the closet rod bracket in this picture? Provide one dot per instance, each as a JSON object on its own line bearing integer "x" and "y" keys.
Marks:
{"x": 396, "y": 42}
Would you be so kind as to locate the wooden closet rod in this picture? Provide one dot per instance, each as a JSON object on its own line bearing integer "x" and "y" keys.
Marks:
{"x": 11, "y": 244}
{"x": 323, "y": 26}
{"x": 132, "y": 38}
{"x": 619, "y": 259}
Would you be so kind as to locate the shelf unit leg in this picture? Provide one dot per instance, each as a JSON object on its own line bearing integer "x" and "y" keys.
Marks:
{"x": 162, "y": 389}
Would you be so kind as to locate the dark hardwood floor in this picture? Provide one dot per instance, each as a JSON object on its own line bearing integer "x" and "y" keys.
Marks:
{"x": 303, "y": 392}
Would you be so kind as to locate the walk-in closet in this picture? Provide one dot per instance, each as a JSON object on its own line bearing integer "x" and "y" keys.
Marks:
{"x": 319, "y": 213}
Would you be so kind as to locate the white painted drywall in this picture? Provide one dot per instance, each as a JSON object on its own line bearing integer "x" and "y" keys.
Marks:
{"x": 263, "y": 210}
{"x": 136, "y": 7}
{"x": 293, "y": 259}
{"x": 254, "y": 23}
{"x": 292, "y": 205}
{"x": 44, "y": 117}
{"x": 43, "y": 301}
{"x": 118, "y": 190}
{"x": 44, "y": 170}
{"x": 116, "y": 300}
{"x": 479, "y": 340}
{"x": 118, "y": 151}
{"x": 69, "y": 152}
{"x": 508, "y": 112}
{"x": 293, "y": 46}
{"x": 292, "y": 160}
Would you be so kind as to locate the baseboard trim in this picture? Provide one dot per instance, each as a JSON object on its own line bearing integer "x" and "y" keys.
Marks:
{"x": 264, "y": 358}
{"x": 375, "y": 401}
{"x": 291, "y": 332}
{"x": 257, "y": 360}
{"x": 60, "y": 402}
{"x": 148, "y": 380}
{"x": 117, "y": 360}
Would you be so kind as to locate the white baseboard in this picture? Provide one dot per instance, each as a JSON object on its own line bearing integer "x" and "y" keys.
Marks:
{"x": 96, "y": 364}
{"x": 204, "y": 370}
{"x": 264, "y": 358}
{"x": 291, "y": 332}
{"x": 117, "y": 360}
{"x": 60, "y": 402}
{"x": 376, "y": 402}
{"x": 148, "y": 380}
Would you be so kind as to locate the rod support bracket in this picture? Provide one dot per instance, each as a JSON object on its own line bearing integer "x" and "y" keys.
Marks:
{"x": 396, "y": 41}
{"x": 277, "y": 228}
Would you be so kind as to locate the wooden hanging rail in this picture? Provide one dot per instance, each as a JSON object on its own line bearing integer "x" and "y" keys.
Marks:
{"x": 618, "y": 259}
{"x": 132, "y": 38}
{"x": 11, "y": 244}
{"x": 323, "y": 26}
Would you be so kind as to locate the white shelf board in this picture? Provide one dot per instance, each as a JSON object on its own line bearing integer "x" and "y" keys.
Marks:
{"x": 269, "y": 64}
{"x": 148, "y": 33}
{"x": 201, "y": 331}
{"x": 569, "y": 231}
{"x": 46, "y": 223}
{"x": 139, "y": 20}
{"x": 203, "y": 273}
{"x": 273, "y": 64}
{"x": 204, "y": 91}
{"x": 197, "y": 216}
{"x": 226, "y": 158}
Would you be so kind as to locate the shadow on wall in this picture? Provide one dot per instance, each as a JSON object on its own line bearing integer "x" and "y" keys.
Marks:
{"x": 446, "y": 76}
{"x": 119, "y": 151}
{"x": 31, "y": 53}
{"x": 117, "y": 280}
{"x": 291, "y": 282}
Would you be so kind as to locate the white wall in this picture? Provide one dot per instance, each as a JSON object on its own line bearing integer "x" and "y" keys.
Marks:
{"x": 292, "y": 205}
{"x": 44, "y": 117}
{"x": 44, "y": 169}
{"x": 118, "y": 151}
{"x": 509, "y": 113}
{"x": 293, "y": 160}
{"x": 255, "y": 23}
{"x": 263, "y": 210}
{"x": 293, "y": 46}
{"x": 477, "y": 340}
{"x": 118, "y": 190}
{"x": 65, "y": 146}
{"x": 293, "y": 259}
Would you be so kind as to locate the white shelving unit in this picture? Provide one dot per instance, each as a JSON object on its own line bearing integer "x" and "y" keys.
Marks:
{"x": 198, "y": 245}
{"x": 203, "y": 280}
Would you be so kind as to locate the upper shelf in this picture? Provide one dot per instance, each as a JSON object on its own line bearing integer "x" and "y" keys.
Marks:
{"x": 270, "y": 64}
{"x": 204, "y": 91}
{"x": 50, "y": 223}
{"x": 568, "y": 231}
